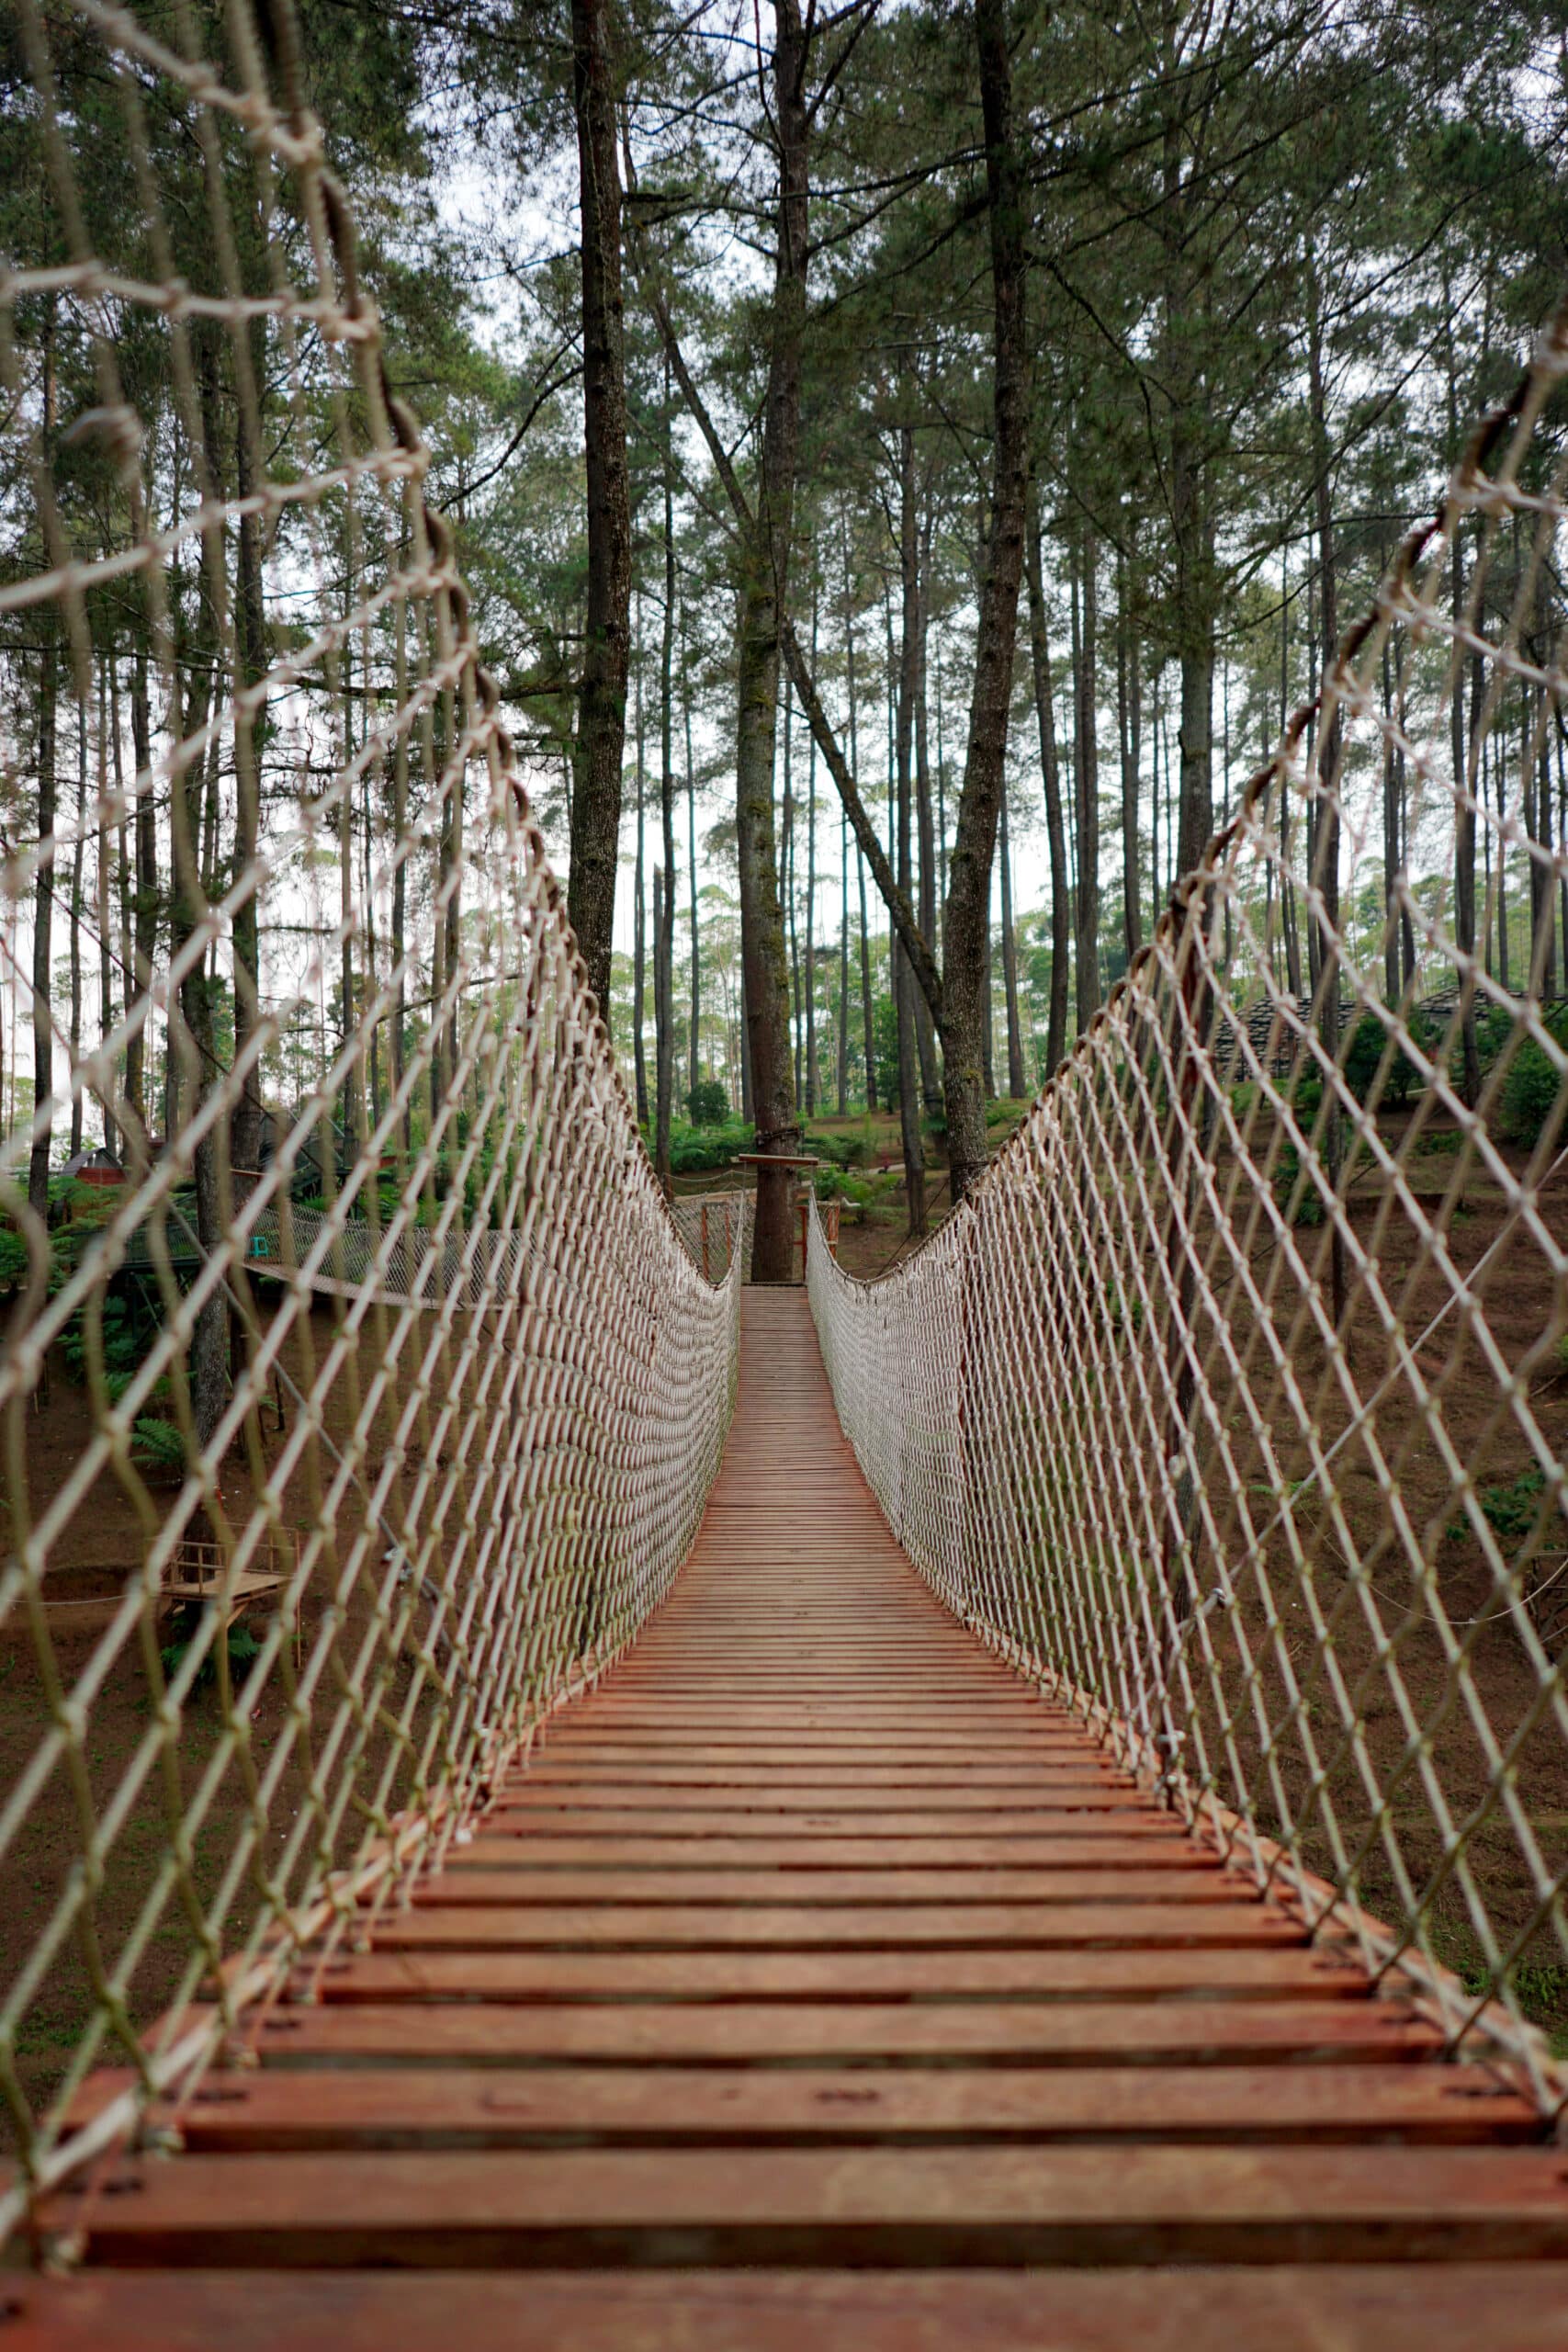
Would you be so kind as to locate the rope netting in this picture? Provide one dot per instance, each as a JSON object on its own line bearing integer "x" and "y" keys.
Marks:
{"x": 370, "y": 1401}
{"x": 1233, "y": 1408}
{"x": 711, "y": 1224}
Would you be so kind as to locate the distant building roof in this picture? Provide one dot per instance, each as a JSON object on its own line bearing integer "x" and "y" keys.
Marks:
{"x": 98, "y": 1162}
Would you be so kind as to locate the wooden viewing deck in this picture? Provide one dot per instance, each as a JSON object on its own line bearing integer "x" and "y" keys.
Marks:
{"x": 819, "y": 1982}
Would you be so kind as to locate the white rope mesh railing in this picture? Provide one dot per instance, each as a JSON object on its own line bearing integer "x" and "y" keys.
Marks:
{"x": 417, "y": 1370}
{"x": 711, "y": 1224}
{"x": 1233, "y": 1408}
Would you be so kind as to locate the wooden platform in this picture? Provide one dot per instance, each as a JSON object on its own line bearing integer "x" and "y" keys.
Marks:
{"x": 821, "y": 1984}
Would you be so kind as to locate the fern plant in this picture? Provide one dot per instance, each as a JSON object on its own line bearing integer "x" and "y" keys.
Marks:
{"x": 156, "y": 1444}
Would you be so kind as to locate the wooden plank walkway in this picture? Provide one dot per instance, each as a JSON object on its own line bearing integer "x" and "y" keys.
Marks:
{"x": 820, "y": 1976}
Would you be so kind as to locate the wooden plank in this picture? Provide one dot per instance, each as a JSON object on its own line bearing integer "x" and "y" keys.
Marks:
{"x": 846, "y": 1749}
{"x": 955, "y": 1803}
{"x": 1381, "y": 2308}
{"x": 892, "y": 1828}
{"x": 839, "y": 1975}
{"x": 1044, "y": 1781}
{"x": 528, "y": 1925}
{"x": 466, "y": 1880}
{"x": 735, "y": 1718}
{"x": 1083, "y": 2207}
{"x": 671, "y": 2107}
{"x": 778, "y": 2034}
{"x": 956, "y": 1858}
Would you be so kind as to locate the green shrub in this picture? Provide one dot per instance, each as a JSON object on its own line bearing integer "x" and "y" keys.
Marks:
{"x": 1306, "y": 1098}
{"x": 1306, "y": 1210}
{"x": 1369, "y": 1042}
{"x": 838, "y": 1184}
{"x": 1494, "y": 1027}
{"x": 1508, "y": 1510}
{"x": 13, "y": 1258}
{"x": 708, "y": 1103}
{"x": 693, "y": 1149}
{"x": 241, "y": 1644}
{"x": 1530, "y": 1087}
{"x": 124, "y": 1346}
{"x": 847, "y": 1149}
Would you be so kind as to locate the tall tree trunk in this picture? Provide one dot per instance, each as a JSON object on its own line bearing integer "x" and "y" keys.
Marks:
{"x": 1465, "y": 780}
{"x": 787, "y": 891}
{"x": 401, "y": 846}
{"x": 602, "y": 696}
{"x": 354, "y": 1090}
{"x": 1392, "y": 783}
{"x": 868, "y": 1009}
{"x": 925, "y": 1027}
{"x": 843, "y": 1072}
{"x": 1325, "y": 861}
{"x": 190, "y": 1033}
{"x": 125, "y": 892}
{"x": 1051, "y": 778}
{"x": 43, "y": 910}
{"x": 104, "y": 903}
{"x": 964, "y": 1007}
{"x": 1157, "y": 876}
{"x": 904, "y": 991}
{"x": 813, "y": 1082}
{"x": 1129, "y": 708}
{"x": 1501, "y": 766}
{"x": 764, "y": 967}
{"x": 1288, "y": 924}
{"x": 1086, "y": 788}
{"x": 988, "y": 1057}
{"x": 1538, "y": 819}
{"x": 1018, "y": 1082}
{"x": 1192, "y": 530}
{"x": 664, "y": 907}
{"x": 691, "y": 861}
{"x": 452, "y": 889}
{"x": 639, "y": 892}
{"x": 43, "y": 887}
{"x": 663, "y": 1027}
{"x": 250, "y": 639}
{"x": 853, "y": 705}
{"x": 75, "y": 936}
{"x": 372, "y": 965}
{"x": 147, "y": 890}
{"x": 939, "y": 942}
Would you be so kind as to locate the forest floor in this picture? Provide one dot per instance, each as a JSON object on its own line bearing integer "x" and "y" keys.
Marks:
{"x": 99, "y": 1547}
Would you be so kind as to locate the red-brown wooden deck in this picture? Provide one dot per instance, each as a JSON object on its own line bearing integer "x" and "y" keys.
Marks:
{"x": 818, "y": 1981}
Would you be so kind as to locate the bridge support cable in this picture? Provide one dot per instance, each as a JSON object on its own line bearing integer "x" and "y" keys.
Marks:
{"x": 1233, "y": 1408}
{"x": 360, "y": 1415}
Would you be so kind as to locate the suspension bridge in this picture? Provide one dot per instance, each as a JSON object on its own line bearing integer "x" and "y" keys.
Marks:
{"x": 1022, "y": 1802}
{"x": 814, "y": 1939}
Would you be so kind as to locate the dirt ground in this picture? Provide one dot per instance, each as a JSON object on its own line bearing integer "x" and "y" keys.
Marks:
{"x": 372, "y": 1698}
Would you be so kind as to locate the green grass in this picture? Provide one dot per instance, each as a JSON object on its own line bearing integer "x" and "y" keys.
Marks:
{"x": 1540, "y": 1988}
{"x": 1510, "y": 1510}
